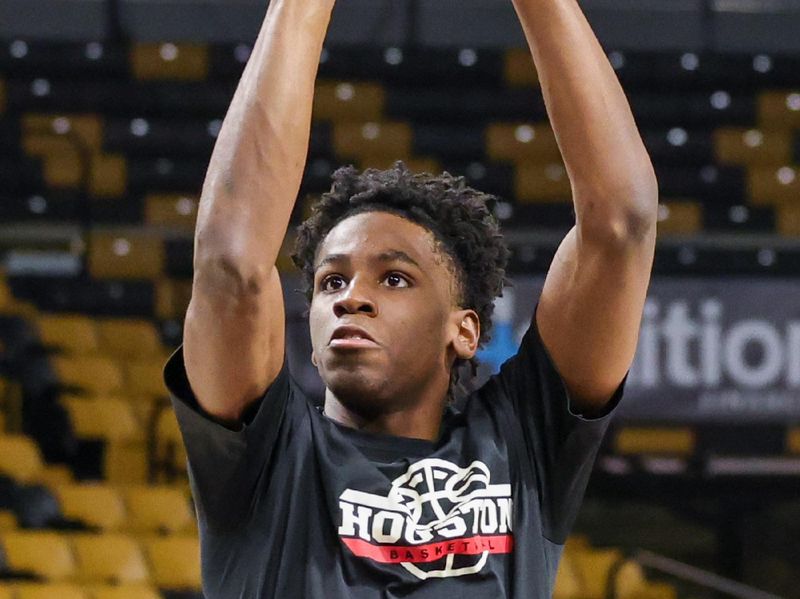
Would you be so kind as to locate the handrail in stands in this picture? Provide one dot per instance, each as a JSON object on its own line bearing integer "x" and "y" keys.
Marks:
{"x": 699, "y": 576}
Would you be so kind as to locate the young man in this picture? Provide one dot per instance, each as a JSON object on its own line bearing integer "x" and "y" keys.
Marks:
{"x": 387, "y": 491}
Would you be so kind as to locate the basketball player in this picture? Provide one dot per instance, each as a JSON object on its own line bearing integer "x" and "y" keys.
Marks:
{"x": 388, "y": 490}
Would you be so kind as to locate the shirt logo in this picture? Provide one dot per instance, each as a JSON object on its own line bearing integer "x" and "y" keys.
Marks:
{"x": 437, "y": 520}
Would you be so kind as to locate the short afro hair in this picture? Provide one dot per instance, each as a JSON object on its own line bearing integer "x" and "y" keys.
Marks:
{"x": 460, "y": 219}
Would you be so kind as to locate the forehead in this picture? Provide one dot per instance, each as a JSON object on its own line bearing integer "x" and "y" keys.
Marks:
{"x": 370, "y": 233}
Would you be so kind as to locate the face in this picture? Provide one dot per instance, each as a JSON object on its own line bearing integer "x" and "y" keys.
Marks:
{"x": 385, "y": 327}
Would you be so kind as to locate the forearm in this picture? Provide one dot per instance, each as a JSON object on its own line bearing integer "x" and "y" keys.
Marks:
{"x": 610, "y": 172}
{"x": 257, "y": 164}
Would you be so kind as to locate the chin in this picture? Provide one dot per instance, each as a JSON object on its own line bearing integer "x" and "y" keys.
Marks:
{"x": 357, "y": 389}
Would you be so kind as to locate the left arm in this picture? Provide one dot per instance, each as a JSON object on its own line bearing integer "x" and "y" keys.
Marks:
{"x": 590, "y": 309}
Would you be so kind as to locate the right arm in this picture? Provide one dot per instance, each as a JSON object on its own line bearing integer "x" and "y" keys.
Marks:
{"x": 234, "y": 329}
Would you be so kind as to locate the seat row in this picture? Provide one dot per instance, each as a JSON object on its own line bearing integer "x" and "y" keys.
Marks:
{"x": 34, "y": 590}
{"x": 171, "y": 562}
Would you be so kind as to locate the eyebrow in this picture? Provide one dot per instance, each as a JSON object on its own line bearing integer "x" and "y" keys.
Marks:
{"x": 387, "y": 256}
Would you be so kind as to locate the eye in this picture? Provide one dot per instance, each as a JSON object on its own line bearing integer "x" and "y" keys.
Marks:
{"x": 395, "y": 279}
{"x": 332, "y": 283}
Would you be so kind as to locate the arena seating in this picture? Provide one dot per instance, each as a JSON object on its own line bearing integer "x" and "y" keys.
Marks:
{"x": 105, "y": 145}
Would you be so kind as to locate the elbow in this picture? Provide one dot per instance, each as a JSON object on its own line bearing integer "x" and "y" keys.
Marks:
{"x": 624, "y": 217}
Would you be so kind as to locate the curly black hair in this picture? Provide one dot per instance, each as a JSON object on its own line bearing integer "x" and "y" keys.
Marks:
{"x": 459, "y": 217}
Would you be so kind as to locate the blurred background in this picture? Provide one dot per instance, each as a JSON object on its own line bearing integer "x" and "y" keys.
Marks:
{"x": 109, "y": 110}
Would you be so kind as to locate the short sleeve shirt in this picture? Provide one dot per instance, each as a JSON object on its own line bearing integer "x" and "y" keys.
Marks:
{"x": 294, "y": 505}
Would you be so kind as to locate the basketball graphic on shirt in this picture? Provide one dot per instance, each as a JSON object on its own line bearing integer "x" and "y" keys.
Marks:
{"x": 436, "y": 520}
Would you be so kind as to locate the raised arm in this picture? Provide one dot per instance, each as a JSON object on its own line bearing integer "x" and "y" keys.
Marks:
{"x": 591, "y": 306}
{"x": 234, "y": 331}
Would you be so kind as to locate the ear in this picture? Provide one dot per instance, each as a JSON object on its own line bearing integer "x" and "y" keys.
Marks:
{"x": 313, "y": 358}
{"x": 467, "y": 333}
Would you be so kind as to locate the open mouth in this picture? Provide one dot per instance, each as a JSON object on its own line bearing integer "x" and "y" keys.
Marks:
{"x": 351, "y": 337}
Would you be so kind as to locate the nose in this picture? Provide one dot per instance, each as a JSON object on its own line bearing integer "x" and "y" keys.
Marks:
{"x": 354, "y": 300}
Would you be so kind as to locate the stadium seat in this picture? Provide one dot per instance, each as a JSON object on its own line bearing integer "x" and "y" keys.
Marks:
{"x": 174, "y": 561}
{"x": 787, "y": 222}
{"x": 170, "y": 452}
{"x": 6, "y": 592}
{"x": 95, "y": 504}
{"x": 680, "y": 218}
{"x": 372, "y": 141}
{"x": 129, "y": 338}
{"x": 518, "y": 68}
{"x": 748, "y": 146}
{"x": 171, "y": 210}
{"x": 63, "y": 163}
{"x": 172, "y": 297}
{"x": 779, "y": 110}
{"x": 144, "y": 376}
{"x": 127, "y": 591}
{"x": 90, "y": 373}
{"x": 110, "y": 558}
{"x": 343, "y": 102}
{"x": 158, "y": 509}
{"x": 125, "y": 254}
{"x": 773, "y": 185}
{"x": 126, "y": 463}
{"x": 169, "y": 61}
{"x": 107, "y": 176}
{"x": 45, "y": 554}
{"x": 71, "y": 333}
{"x": 568, "y": 581}
{"x": 49, "y": 591}
{"x": 542, "y": 183}
{"x": 20, "y": 458}
{"x": 793, "y": 440}
{"x": 8, "y": 521}
{"x": 522, "y": 143}
{"x": 652, "y": 440}
{"x": 84, "y": 129}
{"x": 593, "y": 567}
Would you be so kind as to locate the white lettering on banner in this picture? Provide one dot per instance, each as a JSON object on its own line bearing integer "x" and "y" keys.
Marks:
{"x": 430, "y": 515}
{"x": 682, "y": 350}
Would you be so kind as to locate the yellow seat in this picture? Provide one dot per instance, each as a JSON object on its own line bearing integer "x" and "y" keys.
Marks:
{"x": 172, "y": 297}
{"x": 793, "y": 440}
{"x": 84, "y": 129}
{"x": 593, "y": 567}
{"x": 159, "y": 509}
{"x": 20, "y": 458}
{"x": 129, "y": 338}
{"x": 91, "y": 373}
{"x": 748, "y": 146}
{"x": 175, "y": 561}
{"x": 343, "y": 101}
{"x": 372, "y": 141}
{"x": 171, "y": 210}
{"x": 128, "y": 591}
{"x": 110, "y": 558}
{"x": 63, "y": 161}
{"x": 106, "y": 419}
{"x": 108, "y": 176}
{"x": 773, "y": 185}
{"x": 144, "y": 376}
{"x": 5, "y": 590}
{"x": 94, "y": 504}
{"x": 185, "y": 62}
{"x": 568, "y": 582}
{"x": 630, "y": 583}
{"x": 8, "y": 520}
{"x": 126, "y": 462}
{"x": 522, "y": 143}
{"x": 45, "y": 554}
{"x": 779, "y": 109}
{"x": 72, "y": 333}
{"x": 542, "y": 183}
{"x": 681, "y": 217}
{"x": 655, "y": 440}
{"x": 518, "y": 68}
{"x": 125, "y": 254}
{"x": 787, "y": 220}
{"x": 49, "y": 591}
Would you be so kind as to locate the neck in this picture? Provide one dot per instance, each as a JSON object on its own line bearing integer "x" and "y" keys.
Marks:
{"x": 419, "y": 421}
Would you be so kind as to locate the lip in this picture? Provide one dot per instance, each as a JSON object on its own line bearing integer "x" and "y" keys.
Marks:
{"x": 342, "y": 338}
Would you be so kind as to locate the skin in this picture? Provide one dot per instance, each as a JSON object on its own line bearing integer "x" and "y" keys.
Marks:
{"x": 591, "y": 306}
{"x": 385, "y": 274}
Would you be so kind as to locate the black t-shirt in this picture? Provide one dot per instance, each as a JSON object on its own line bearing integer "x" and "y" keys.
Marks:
{"x": 294, "y": 505}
